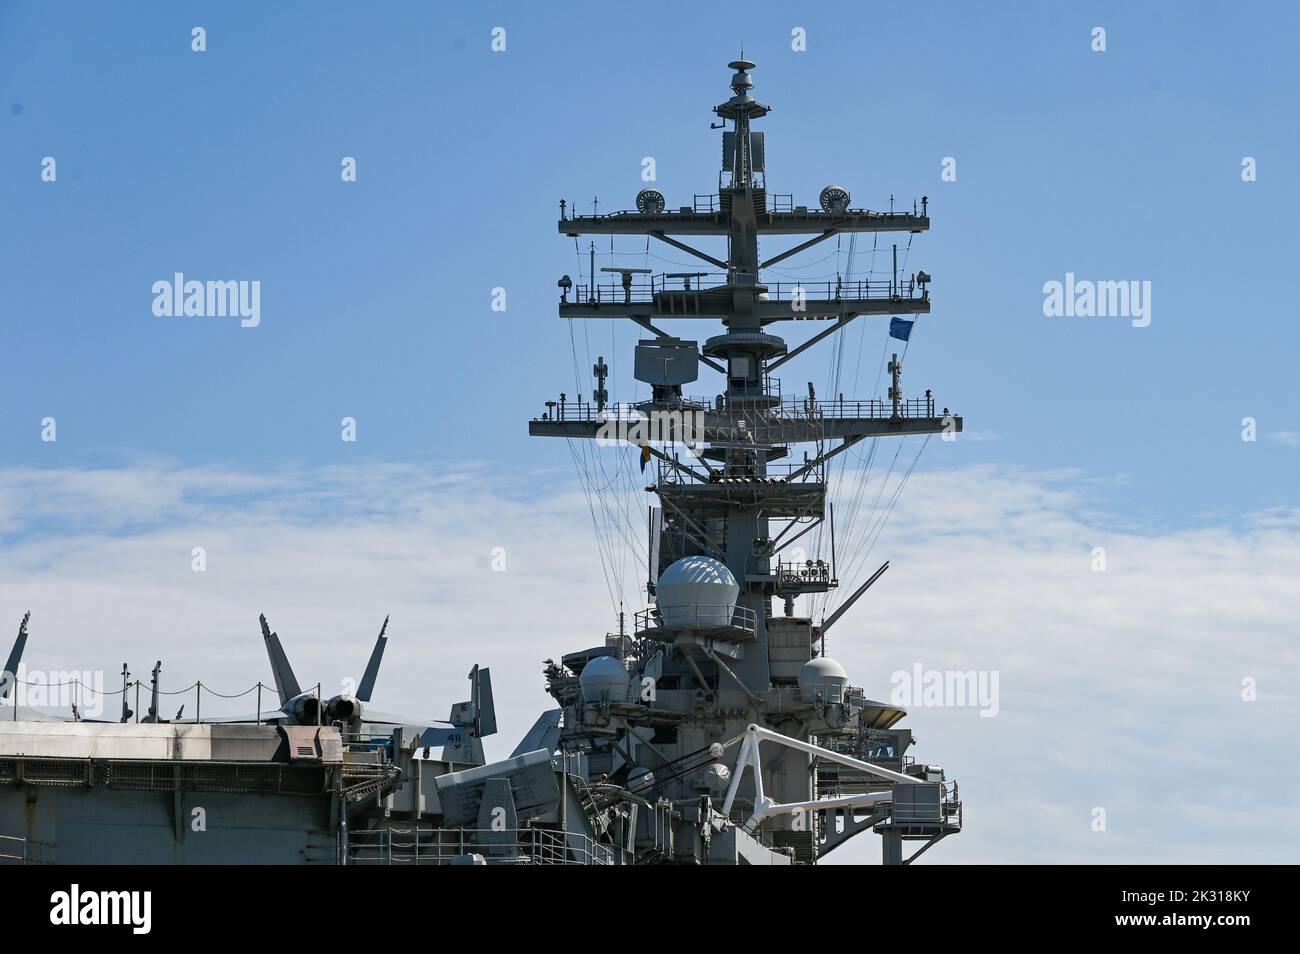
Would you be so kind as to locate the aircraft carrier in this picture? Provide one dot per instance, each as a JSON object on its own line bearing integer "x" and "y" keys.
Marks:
{"x": 711, "y": 728}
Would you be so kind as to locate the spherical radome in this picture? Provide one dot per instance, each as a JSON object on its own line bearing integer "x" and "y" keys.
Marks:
{"x": 822, "y": 678}
{"x": 604, "y": 674}
{"x": 697, "y": 591}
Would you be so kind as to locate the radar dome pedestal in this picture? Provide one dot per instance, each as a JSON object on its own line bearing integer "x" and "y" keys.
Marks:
{"x": 822, "y": 679}
{"x": 697, "y": 591}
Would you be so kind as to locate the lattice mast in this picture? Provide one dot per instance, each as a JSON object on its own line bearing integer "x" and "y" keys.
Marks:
{"x": 728, "y": 502}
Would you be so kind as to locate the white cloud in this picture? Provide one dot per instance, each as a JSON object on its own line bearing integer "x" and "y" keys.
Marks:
{"x": 1119, "y": 689}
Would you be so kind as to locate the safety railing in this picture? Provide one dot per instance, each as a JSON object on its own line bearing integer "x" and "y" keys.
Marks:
{"x": 88, "y": 701}
{"x": 777, "y": 204}
{"x": 788, "y": 697}
{"x": 951, "y": 798}
{"x": 697, "y": 616}
{"x": 789, "y": 408}
{"x": 641, "y": 288}
{"x": 742, "y": 474}
{"x": 874, "y": 408}
{"x": 780, "y": 202}
{"x": 632, "y": 422}
{"x": 13, "y": 850}
{"x": 791, "y": 472}
{"x": 440, "y": 846}
{"x": 700, "y": 205}
{"x": 840, "y": 290}
{"x": 808, "y": 572}
{"x": 768, "y": 389}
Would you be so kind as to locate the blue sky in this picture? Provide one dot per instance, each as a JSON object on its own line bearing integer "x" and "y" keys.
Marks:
{"x": 375, "y": 295}
{"x": 183, "y": 432}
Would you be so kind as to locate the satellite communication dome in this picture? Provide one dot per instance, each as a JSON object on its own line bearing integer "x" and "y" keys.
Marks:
{"x": 822, "y": 679}
{"x": 604, "y": 674}
{"x": 697, "y": 591}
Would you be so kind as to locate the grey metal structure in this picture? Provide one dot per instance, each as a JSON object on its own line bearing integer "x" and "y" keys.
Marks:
{"x": 715, "y": 732}
{"x": 696, "y": 685}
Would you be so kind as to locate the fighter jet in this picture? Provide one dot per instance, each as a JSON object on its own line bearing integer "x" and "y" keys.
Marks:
{"x": 460, "y": 734}
{"x": 9, "y": 679}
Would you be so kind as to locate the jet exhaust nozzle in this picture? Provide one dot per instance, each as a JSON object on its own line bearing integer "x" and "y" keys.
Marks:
{"x": 345, "y": 709}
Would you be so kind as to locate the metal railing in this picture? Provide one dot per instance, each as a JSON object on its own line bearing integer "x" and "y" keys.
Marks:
{"x": 697, "y": 616}
{"x": 745, "y": 476}
{"x": 950, "y": 799}
{"x": 810, "y": 571}
{"x": 701, "y": 205}
{"x": 777, "y": 203}
{"x": 583, "y": 411}
{"x": 642, "y": 290}
{"x": 439, "y": 846}
{"x": 790, "y": 697}
{"x": 784, "y": 472}
{"x": 780, "y": 202}
{"x": 839, "y": 290}
{"x": 707, "y": 204}
{"x": 768, "y": 389}
{"x": 17, "y": 850}
{"x": 840, "y": 409}
{"x": 790, "y": 408}
{"x": 13, "y": 850}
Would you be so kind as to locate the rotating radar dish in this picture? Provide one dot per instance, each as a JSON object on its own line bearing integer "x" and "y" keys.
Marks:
{"x": 650, "y": 202}
{"x": 834, "y": 199}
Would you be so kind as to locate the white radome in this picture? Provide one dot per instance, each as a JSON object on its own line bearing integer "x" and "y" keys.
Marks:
{"x": 603, "y": 675}
{"x": 822, "y": 678}
{"x": 697, "y": 591}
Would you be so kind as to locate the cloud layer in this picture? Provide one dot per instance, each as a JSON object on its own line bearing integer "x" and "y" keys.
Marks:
{"x": 1120, "y": 689}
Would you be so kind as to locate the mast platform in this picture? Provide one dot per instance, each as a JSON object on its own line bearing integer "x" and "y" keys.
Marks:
{"x": 792, "y": 422}
{"x": 777, "y": 301}
{"x": 799, "y": 220}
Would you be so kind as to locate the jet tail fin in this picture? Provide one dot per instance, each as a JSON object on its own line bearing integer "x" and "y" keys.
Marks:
{"x": 372, "y": 668}
{"x": 286, "y": 683}
{"x": 545, "y": 734}
{"x": 484, "y": 709}
{"x": 9, "y": 675}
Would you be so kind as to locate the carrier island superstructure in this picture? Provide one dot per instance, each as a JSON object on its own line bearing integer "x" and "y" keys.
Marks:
{"x": 710, "y": 662}
{"x": 712, "y": 730}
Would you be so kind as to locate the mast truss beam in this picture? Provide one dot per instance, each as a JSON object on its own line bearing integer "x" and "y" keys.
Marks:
{"x": 690, "y": 251}
{"x": 842, "y": 323}
{"x": 799, "y": 248}
{"x": 818, "y": 461}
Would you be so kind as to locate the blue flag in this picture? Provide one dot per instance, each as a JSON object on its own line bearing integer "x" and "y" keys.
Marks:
{"x": 900, "y": 328}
